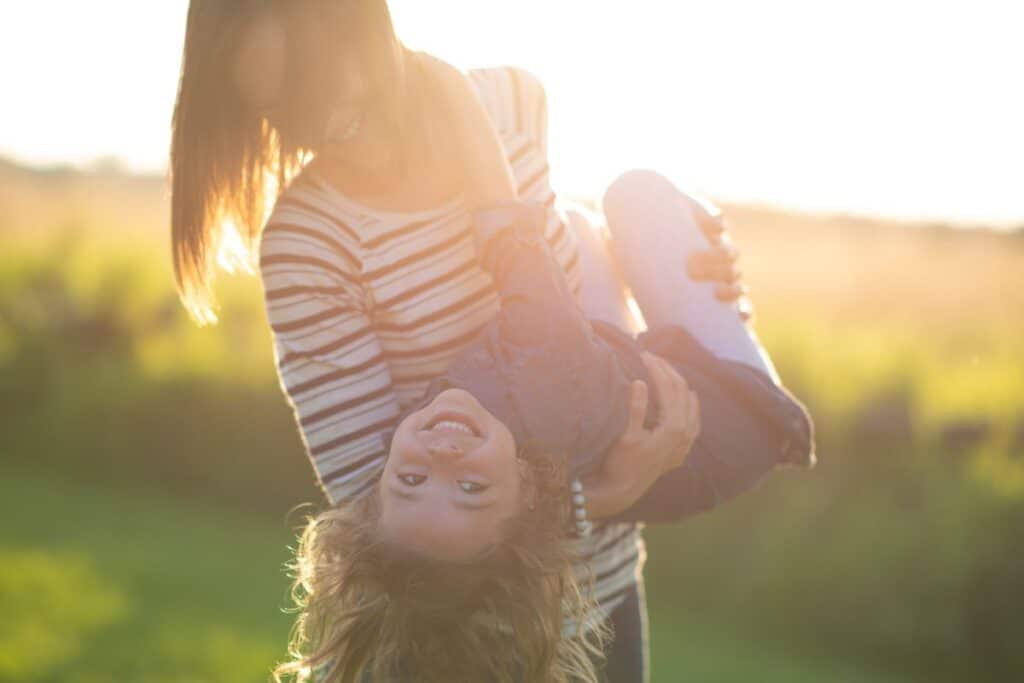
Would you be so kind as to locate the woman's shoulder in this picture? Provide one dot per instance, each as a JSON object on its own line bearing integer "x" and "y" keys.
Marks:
{"x": 512, "y": 94}
{"x": 478, "y": 75}
{"x": 512, "y": 88}
{"x": 511, "y": 78}
{"x": 305, "y": 198}
{"x": 304, "y": 220}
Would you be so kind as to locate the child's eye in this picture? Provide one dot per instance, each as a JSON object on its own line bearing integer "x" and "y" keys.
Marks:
{"x": 412, "y": 479}
{"x": 472, "y": 487}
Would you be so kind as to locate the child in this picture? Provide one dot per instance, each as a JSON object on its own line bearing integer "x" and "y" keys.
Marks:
{"x": 456, "y": 566}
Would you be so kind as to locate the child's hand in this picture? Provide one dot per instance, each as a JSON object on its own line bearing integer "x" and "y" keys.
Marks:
{"x": 641, "y": 456}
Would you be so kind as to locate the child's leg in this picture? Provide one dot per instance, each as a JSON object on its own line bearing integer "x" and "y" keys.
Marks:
{"x": 602, "y": 293}
{"x": 653, "y": 231}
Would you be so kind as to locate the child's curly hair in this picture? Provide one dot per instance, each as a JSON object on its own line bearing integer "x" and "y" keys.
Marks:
{"x": 371, "y": 611}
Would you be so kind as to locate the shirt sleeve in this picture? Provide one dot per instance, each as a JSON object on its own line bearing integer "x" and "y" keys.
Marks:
{"x": 330, "y": 364}
{"x": 528, "y": 115}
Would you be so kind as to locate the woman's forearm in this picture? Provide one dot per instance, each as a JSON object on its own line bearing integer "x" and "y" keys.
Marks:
{"x": 743, "y": 437}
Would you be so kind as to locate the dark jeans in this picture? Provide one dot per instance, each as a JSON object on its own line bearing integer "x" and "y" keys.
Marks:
{"x": 628, "y": 655}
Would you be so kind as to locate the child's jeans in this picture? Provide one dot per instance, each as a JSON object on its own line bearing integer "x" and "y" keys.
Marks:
{"x": 642, "y": 242}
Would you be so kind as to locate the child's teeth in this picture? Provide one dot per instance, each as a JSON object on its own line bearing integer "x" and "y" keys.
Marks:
{"x": 450, "y": 425}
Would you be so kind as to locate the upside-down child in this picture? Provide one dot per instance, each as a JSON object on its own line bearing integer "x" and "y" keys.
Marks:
{"x": 456, "y": 565}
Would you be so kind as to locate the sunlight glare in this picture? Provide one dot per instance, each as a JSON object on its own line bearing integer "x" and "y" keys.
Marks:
{"x": 906, "y": 110}
{"x": 232, "y": 254}
{"x": 638, "y": 317}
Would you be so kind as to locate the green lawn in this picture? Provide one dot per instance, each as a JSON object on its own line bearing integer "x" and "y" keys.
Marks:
{"x": 112, "y": 586}
{"x": 107, "y": 585}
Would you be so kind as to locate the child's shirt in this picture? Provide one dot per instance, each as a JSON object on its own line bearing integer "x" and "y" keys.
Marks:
{"x": 561, "y": 382}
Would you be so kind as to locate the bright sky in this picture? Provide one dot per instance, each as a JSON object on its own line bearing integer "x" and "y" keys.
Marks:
{"x": 901, "y": 108}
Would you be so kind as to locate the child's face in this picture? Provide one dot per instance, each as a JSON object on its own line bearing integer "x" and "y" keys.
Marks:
{"x": 451, "y": 479}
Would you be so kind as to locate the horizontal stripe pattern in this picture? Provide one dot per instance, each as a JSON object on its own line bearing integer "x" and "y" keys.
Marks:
{"x": 366, "y": 308}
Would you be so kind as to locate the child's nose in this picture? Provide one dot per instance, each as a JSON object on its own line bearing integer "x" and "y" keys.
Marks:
{"x": 445, "y": 449}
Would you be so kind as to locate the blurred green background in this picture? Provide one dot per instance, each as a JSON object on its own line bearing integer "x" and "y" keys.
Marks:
{"x": 152, "y": 476}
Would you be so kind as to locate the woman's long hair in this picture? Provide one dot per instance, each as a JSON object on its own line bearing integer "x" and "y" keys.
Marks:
{"x": 372, "y": 611}
{"x": 226, "y": 154}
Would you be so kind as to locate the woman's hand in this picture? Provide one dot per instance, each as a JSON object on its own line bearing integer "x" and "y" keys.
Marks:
{"x": 718, "y": 264}
{"x": 640, "y": 456}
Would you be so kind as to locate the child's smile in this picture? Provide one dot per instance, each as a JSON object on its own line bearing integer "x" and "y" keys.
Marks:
{"x": 451, "y": 478}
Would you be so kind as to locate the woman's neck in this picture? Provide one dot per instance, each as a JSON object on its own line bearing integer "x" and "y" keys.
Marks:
{"x": 368, "y": 168}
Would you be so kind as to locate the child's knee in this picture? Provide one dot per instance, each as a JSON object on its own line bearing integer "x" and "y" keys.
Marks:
{"x": 640, "y": 201}
{"x": 640, "y": 184}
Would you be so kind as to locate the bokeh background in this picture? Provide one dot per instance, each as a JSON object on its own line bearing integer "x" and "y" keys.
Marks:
{"x": 867, "y": 156}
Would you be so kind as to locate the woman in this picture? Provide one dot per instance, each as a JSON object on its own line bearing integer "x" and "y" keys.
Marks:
{"x": 368, "y": 270}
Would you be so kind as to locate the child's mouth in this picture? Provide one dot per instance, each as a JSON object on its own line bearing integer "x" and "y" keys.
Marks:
{"x": 452, "y": 422}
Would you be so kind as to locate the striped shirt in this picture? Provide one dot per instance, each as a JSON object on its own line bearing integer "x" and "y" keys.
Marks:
{"x": 367, "y": 306}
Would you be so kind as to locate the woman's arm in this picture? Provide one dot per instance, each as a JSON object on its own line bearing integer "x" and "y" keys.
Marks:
{"x": 330, "y": 365}
{"x": 531, "y": 167}
{"x": 749, "y": 425}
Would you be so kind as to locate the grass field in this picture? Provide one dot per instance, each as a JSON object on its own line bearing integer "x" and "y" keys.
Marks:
{"x": 106, "y": 585}
{"x": 147, "y": 466}
{"x": 101, "y": 584}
